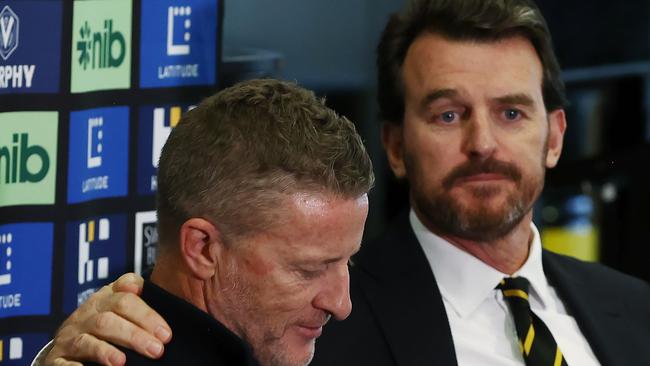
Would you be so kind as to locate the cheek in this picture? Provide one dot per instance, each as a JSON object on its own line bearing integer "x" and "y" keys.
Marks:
{"x": 278, "y": 294}
{"x": 257, "y": 266}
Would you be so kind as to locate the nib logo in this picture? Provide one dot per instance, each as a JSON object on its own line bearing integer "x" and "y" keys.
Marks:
{"x": 28, "y": 143}
{"x": 17, "y": 156}
{"x": 100, "y": 50}
{"x": 9, "y": 32}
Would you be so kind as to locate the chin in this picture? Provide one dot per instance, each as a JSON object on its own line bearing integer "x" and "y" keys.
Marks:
{"x": 289, "y": 352}
{"x": 301, "y": 351}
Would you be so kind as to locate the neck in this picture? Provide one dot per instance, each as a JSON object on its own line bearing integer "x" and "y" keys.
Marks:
{"x": 171, "y": 276}
{"x": 505, "y": 254}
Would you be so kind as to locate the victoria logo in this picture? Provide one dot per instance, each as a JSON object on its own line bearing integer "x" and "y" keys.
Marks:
{"x": 30, "y": 30}
{"x": 9, "y": 24}
{"x": 103, "y": 49}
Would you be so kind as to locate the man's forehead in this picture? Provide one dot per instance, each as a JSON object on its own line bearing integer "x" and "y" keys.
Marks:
{"x": 434, "y": 63}
{"x": 315, "y": 203}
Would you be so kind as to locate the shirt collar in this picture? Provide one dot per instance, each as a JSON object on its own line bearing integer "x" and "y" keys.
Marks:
{"x": 465, "y": 281}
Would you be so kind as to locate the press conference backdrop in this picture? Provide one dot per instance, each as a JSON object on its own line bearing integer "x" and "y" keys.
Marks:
{"x": 89, "y": 92}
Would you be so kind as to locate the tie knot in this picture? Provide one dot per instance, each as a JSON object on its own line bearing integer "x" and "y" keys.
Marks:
{"x": 515, "y": 286}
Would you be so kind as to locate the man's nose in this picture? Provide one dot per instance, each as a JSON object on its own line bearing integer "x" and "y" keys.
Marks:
{"x": 478, "y": 136}
{"x": 334, "y": 297}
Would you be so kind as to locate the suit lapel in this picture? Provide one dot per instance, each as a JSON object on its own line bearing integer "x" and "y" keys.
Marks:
{"x": 598, "y": 314}
{"x": 397, "y": 280}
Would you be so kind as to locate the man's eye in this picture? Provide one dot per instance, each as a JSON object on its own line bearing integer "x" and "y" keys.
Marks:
{"x": 310, "y": 274}
{"x": 448, "y": 117}
{"x": 512, "y": 114}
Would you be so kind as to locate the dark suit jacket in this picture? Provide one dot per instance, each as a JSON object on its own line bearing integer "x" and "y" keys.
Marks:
{"x": 198, "y": 338}
{"x": 398, "y": 316}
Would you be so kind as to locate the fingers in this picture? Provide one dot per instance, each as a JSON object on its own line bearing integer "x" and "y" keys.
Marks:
{"x": 133, "y": 309}
{"x": 114, "y": 314}
{"x": 129, "y": 282}
{"x": 85, "y": 347}
{"x": 62, "y": 362}
{"x": 114, "y": 329}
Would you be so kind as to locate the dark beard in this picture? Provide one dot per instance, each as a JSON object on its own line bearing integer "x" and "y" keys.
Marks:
{"x": 444, "y": 215}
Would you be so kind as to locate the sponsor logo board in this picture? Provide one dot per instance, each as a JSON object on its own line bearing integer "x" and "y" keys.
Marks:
{"x": 98, "y": 154}
{"x": 28, "y": 147}
{"x": 95, "y": 254}
{"x": 178, "y": 43}
{"x": 156, "y": 123}
{"x": 25, "y": 269}
{"x": 30, "y": 46}
{"x": 101, "y": 45}
{"x": 20, "y": 349}
{"x": 146, "y": 241}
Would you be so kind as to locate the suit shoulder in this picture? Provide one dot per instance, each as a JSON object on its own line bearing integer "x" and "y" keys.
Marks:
{"x": 597, "y": 274}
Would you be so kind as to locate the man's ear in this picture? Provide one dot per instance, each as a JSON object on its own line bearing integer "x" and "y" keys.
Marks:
{"x": 393, "y": 140}
{"x": 557, "y": 126}
{"x": 200, "y": 245}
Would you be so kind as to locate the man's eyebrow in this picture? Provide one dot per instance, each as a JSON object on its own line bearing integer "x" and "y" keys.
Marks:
{"x": 438, "y": 94}
{"x": 517, "y": 99}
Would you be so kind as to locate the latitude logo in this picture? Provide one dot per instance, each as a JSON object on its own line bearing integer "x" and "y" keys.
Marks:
{"x": 9, "y": 25}
{"x": 98, "y": 154}
{"x": 178, "y": 42}
{"x": 25, "y": 278}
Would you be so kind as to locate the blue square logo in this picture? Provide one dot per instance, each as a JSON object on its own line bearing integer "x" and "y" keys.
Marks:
{"x": 95, "y": 255}
{"x": 99, "y": 151}
{"x": 25, "y": 269}
{"x": 178, "y": 44}
{"x": 30, "y": 46}
{"x": 156, "y": 122}
{"x": 20, "y": 349}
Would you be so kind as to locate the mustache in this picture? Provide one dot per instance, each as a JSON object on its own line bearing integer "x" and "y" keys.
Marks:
{"x": 474, "y": 167}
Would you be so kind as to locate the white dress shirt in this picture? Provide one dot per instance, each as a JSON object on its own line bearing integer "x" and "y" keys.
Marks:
{"x": 481, "y": 325}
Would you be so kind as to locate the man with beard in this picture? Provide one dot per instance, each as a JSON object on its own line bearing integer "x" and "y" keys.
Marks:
{"x": 472, "y": 102}
{"x": 262, "y": 199}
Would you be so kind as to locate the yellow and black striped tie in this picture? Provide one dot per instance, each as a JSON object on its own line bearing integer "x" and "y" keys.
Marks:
{"x": 535, "y": 340}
